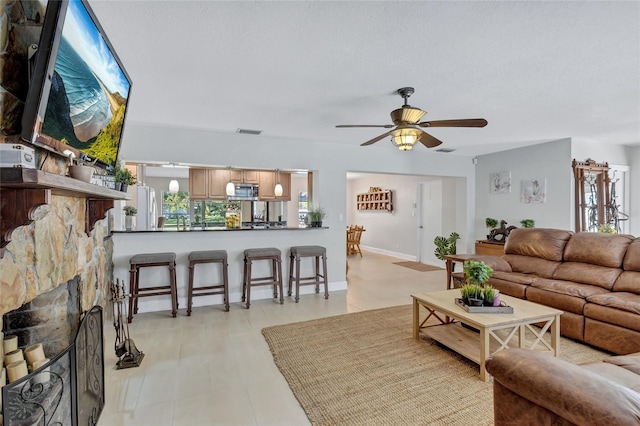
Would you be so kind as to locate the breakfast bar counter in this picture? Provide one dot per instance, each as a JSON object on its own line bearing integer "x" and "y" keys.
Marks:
{"x": 234, "y": 241}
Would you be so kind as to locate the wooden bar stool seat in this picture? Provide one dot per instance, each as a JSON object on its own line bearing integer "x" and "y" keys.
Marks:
{"x": 147, "y": 260}
{"x": 275, "y": 279}
{"x": 208, "y": 256}
{"x": 296, "y": 253}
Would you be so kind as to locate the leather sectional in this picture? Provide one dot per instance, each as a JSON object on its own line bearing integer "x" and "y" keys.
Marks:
{"x": 593, "y": 277}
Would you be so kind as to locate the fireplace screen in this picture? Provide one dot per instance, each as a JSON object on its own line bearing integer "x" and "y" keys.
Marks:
{"x": 67, "y": 390}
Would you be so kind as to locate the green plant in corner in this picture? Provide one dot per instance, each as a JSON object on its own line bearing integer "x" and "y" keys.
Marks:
{"x": 130, "y": 211}
{"x": 528, "y": 223}
{"x": 445, "y": 246}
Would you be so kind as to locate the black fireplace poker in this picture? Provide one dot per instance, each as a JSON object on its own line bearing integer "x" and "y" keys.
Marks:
{"x": 126, "y": 351}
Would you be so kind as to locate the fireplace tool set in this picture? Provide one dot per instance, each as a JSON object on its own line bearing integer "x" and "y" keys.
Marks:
{"x": 127, "y": 352}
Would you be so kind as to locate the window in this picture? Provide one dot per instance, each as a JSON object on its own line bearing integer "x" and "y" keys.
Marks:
{"x": 175, "y": 206}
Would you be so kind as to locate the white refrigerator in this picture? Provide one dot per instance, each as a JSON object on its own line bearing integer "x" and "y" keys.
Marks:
{"x": 147, "y": 209}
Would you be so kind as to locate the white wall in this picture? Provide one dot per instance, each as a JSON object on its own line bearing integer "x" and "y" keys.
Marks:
{"x": 634, "y": 190}
{"x": 551, "y": 161}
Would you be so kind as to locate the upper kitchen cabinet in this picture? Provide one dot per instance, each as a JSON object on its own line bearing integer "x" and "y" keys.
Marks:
{"x": 198, "y": 183}
{"x": 267, "y": 185}
{"x": 244, "y": 176}
{"x": 208, "y": 184}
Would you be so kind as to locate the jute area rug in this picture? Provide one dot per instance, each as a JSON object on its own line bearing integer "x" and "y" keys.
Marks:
{"x": 365, "y": 368}
{"x": 417, "y": 266}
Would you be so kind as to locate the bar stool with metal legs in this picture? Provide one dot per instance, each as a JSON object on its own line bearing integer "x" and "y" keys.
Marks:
{"x": 317, "y": 252}
{"x": 274, "y": 256}
{"x": 208, "y": 256}
{"x": 147, "y": 260}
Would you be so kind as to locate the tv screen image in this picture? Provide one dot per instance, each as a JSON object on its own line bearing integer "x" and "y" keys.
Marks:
{"x": 88, "y": 88}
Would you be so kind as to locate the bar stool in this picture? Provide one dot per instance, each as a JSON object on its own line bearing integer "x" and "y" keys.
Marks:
{"x": 149, "y": 260}
{"x": 269, "y": 253}
{"x": 208, "y": 256}
{"x": 317, "y": 252}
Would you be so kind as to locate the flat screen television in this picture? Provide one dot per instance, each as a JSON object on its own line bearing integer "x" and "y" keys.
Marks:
{"x": 79, "y": 89}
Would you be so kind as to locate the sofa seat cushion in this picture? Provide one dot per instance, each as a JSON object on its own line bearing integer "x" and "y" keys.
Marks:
{"x": 621, "y": 376}
{"x": 586, "y": 273}
{"x": 563, "y": 302}
{"x": 623, "y": 301}
{"x": 630, "y": 362}
{"x": 628, "y": 281}
{"x": 568, "y": 288}
{"x": 516, "y": 277}
{"x": 597, "y": 248}
{"x": 531, "y": 265}
{"x": 612, "y": 315}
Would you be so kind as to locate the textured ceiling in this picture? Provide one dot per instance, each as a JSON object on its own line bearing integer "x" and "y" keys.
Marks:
{"x": 537, "y": 71}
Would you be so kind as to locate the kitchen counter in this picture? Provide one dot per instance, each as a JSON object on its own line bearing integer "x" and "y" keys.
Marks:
{"x": 245, "y": 228}
{"x": 234, "y": 241}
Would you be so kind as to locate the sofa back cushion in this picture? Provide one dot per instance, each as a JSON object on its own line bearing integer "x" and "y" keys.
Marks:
{"x": 628, "y": 281}
{"x": 632, "y": 257}
{"x": 542, "y": 243}
{"x": 597, "y": 248}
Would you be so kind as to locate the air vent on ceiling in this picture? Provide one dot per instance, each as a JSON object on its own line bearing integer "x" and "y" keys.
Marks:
{"x": 445, "y": 150}
{"x": 249, "y": 132}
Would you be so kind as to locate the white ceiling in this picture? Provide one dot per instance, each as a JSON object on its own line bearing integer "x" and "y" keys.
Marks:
{"x": 537, "y": 71}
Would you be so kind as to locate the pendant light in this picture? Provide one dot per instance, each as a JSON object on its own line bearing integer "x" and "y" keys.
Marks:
{"x": 278, "y": 190}
{"x": 230, "y": 189}
{"x": 174, "y": 186}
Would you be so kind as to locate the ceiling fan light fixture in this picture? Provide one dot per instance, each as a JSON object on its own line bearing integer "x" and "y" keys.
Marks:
{"x": 405, "y": 137}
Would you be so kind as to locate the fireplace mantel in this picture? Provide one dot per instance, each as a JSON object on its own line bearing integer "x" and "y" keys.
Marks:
{"x": 23, "y": 190}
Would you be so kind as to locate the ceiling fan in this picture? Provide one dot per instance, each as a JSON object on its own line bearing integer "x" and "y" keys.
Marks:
{"x": 407, "y": 128}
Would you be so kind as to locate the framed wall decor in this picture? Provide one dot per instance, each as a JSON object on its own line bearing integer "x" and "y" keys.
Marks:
{"x": 533, "y": 191}
{"x": 500, "y": 183}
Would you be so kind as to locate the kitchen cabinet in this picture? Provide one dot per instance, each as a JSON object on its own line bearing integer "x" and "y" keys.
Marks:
{"x": 198, "y": 184}
{"x": 244, "y": 176}
{"x": 208, "y": 184}
{"x": 267, "y": 183}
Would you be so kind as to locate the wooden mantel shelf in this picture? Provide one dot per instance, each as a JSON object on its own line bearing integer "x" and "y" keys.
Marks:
{"x": 23, "y": 190}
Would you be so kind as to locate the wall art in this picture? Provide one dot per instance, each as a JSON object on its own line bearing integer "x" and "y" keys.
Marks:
{"x": 533, "y": 191}
{"x": 500, "y": 183}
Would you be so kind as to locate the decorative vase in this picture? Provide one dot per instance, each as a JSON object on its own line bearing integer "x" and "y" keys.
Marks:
{"x": 81, "y": 172}
{"x": 128, "y": 223}
{"x": 124, "y": 187}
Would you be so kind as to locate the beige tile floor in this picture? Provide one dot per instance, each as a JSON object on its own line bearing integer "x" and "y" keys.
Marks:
{"x": 215, "y": 368}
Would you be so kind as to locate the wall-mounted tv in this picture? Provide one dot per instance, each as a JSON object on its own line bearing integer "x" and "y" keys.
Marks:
{"x": 79, "y": 89}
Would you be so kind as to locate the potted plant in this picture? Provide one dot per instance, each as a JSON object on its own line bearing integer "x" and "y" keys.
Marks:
{"x": 129, "y": 212}
{"x": 477, "y": 273}
{"x": 445, "y": 246}
{"x": 316, "y": 216}
{"x": 528, "y": 223}
{"x": 471, "y": 294}
{"x": 124, "y": 177}
{"x": 490, "y": 295}
{"x": 490, "y": 222}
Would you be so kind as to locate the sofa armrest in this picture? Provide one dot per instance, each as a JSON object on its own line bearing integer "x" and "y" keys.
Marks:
{"x": 565, "y": 389}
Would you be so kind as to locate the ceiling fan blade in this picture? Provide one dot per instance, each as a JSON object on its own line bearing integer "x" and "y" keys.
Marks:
{"x": 374, "y": 140}
{"x": 428, "y": 140}
{"x": 471, "y": 122}
{"x": 385, "y": 126}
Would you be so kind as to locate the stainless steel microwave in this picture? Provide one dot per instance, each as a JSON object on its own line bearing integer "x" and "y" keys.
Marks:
{"x": 245, "y": 192}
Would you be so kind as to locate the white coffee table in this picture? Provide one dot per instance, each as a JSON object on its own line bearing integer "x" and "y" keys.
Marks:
{"x": 478, "y": 346}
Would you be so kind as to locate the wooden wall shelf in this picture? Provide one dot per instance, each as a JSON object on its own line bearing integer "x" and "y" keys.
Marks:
{"x": 23, "y": 190}
{"x": 377, "y": 201}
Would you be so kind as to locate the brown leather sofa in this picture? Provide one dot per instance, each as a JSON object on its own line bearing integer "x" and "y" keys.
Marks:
{"x": 533, "y": 388}
{"x": 594, "y": 278}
